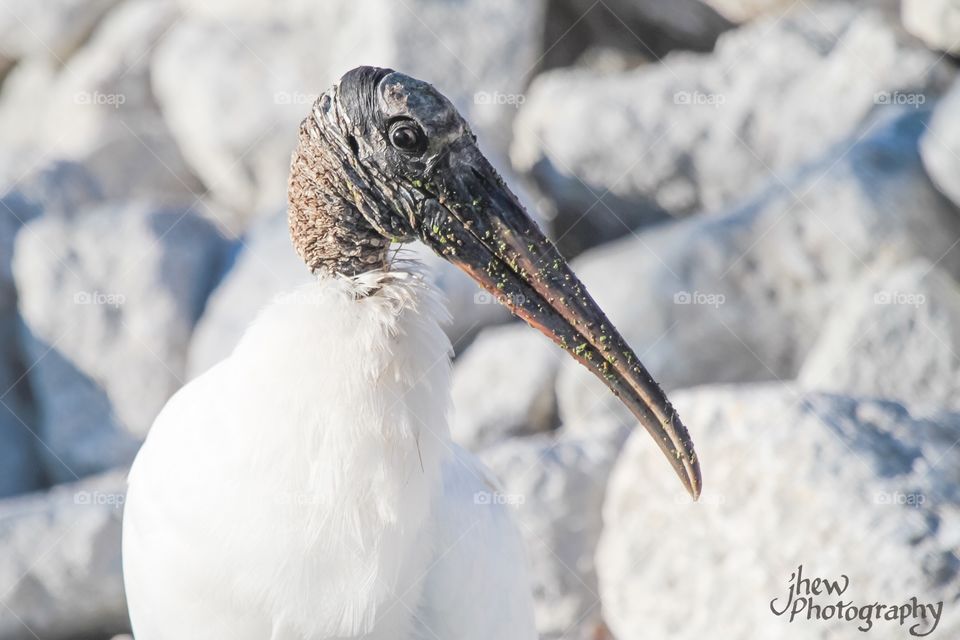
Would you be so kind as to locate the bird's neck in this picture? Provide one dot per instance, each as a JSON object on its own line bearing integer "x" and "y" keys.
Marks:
{"x": 329, "y": 233}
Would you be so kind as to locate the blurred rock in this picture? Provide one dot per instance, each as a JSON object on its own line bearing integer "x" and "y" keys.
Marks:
{"x": 894, "y": 336}
{"x": 742, "y": 295}
{"x": 648, "y": 28}
{"x": 557, "y": 485}
{"x": 109, "y": 299}
{"x": 503, "y": 386}
{"x": 267, "y": 266}
{"x": 25, "y": 92}
{"x": 744, "y": 10}
{"x": 238, "y": 129}
{"x": 936, "y": 22}
{"x": 53, "y": 29}
{"x": 839, "y": 485}
{"x": 616, "y": 151}
{"x": 103, "y": 110}
{"x": 20, "y": 469}
{"x": 60, "y": 562}
{"x": 940, "y": 145}
{"x": 58, "y": 188}
{"x": 98, "y": 108}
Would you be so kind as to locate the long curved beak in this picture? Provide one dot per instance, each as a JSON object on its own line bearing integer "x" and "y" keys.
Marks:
{"x": 473, "y": 220}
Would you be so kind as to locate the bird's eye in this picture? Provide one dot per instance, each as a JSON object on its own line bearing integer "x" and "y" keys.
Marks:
{"x": 406, "y": 136}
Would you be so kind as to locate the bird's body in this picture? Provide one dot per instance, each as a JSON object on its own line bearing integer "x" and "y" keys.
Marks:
{"x": 277, "y": 499}
{"x": 306, "y": 488}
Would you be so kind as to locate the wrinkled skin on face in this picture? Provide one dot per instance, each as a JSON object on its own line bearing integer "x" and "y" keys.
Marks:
{"x": 388, "y": 184}
{"x": 394, "y": 161}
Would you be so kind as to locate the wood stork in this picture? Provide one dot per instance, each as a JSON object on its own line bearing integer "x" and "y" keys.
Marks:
{"x": 306, "y": 487}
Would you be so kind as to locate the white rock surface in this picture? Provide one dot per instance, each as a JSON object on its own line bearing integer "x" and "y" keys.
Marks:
{"x": 267, "y": 266}
{"x": 98, "y": 108}
{"x": 108, "y": 323}
{"x": 894, "y": 336}
{"x": 503, "y": 386}
{"x": 238, "y": 129}
{"x": 940, "y": 145}
{"x": 742, "y": 295}
{"x": 697, "y": 132}
{"x": 60, "y": 562}
{"x": 52, "y": 29}
{"x": 557, "y": 485}
{"x": 861, "y": 488}
{"x": 936, "y": 22}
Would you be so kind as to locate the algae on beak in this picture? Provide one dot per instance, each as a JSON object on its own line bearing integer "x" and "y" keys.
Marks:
{"x": 474, "y": 221}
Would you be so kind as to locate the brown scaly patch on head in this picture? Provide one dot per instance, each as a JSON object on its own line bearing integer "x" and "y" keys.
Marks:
{"x": 328, "y": 231}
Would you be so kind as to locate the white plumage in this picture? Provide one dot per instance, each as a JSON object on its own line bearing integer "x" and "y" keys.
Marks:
{"x": 306, "y": 487}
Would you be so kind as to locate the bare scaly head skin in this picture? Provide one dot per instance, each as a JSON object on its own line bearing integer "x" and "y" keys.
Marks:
{"x": 384, "y": 158}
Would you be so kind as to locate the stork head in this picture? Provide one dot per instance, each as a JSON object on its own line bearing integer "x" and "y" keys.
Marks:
{"x": 385, "y": 158}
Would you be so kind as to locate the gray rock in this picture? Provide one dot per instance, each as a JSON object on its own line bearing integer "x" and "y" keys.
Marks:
{"x": 940, "y": 146}
{"x": 694, "y": 132}
{"x": 237, "y": 129}
{"x": 52, "y": 29}
{"x": 104, "y": 114}
{"x": 557, "y": 485}
{"x": 98, "y": 108}
{"x": 503, "y": 386}
{"x": 744, "y": 10}
{"x": 60, "y": 562}
{"x": 936, "y": 22}
{"x": 742, "y": 295}
{"x": 109, "y": 299}
{"x": 839, "y": 485}
{"x": 894, "y": 336}
{"x": 58, "y": 188}
{"x": 645, "y": 28}
{"x": 267, "y": 266}
{"x": 20, "y": 469}
{"x": 26, "y": 91}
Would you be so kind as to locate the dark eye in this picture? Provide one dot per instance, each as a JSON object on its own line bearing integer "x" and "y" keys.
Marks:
{"x": 407, "y": 136}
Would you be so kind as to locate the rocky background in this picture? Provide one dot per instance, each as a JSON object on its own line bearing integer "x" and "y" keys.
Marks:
{"x": 763, "y": 194}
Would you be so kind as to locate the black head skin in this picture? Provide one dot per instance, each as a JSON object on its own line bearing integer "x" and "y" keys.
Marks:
{"x": 385, "y": 158}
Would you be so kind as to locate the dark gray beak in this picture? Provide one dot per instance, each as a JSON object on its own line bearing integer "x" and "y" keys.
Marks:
{"x": 473, "y": 220}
